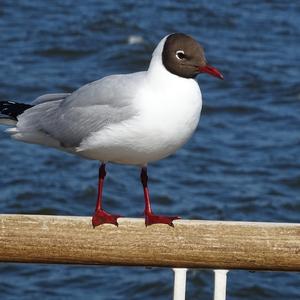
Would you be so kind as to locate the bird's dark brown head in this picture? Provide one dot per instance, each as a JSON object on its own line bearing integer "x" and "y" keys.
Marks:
{"x": 183, "y": 56}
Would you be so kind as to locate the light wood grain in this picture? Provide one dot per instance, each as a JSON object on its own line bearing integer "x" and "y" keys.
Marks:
{"x": 191, "y": 244}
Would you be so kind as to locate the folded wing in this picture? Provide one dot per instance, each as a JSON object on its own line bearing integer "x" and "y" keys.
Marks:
{"x": 64, "y": 120}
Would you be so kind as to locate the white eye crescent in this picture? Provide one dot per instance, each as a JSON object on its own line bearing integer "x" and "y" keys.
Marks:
{"x": 180, "y": 54}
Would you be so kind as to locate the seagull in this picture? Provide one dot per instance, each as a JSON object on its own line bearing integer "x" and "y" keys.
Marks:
{"x": 134, "y": 119}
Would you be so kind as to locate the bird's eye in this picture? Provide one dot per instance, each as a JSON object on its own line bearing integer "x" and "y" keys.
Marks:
{"x": 180, "y": 54}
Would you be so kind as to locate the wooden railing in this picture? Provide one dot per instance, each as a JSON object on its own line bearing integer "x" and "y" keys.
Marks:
{"x": 217, "y": 245}
{"x": 190, "y": 244}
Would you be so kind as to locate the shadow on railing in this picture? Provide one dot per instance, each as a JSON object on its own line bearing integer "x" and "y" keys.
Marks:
{"x": 217, "y": 245}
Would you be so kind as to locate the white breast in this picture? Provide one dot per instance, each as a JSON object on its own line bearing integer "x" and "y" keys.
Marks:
{"x": 169, "y": 115}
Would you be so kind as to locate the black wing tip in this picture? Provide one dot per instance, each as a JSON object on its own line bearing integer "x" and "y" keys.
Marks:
{"x": 13, "y": 109}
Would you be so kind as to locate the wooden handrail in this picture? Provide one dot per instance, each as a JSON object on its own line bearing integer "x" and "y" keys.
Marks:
{"x": 190, "y": 244}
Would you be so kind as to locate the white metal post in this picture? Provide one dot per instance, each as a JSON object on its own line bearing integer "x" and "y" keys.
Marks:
{"x": 220, "y": 284}
{"x": 179, "y": 283}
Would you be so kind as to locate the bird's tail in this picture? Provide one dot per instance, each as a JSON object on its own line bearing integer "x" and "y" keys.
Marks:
{"x": 10, "y": 110}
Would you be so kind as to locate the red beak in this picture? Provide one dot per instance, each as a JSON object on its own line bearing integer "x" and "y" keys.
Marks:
{"x": 211, "y": 70}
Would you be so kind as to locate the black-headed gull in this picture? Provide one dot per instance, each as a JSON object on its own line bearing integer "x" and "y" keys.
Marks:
{"x": 128, "y": 119}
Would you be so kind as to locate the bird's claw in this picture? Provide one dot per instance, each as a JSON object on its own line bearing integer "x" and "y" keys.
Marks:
{"x": 154, "y": 219}
{"x": 102, "y": 217}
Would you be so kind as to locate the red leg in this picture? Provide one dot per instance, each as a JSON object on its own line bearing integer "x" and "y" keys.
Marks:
{"x": 150, "y": 218}
{"x": 101, "y": 216}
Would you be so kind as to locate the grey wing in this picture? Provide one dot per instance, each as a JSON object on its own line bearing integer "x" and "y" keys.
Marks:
{"x": 114, "y": 90}
{"x": 85, "y": 111}
{"x": 75, "y": 124}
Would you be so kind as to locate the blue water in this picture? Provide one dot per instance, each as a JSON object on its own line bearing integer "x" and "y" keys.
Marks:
{"x": 243, "y": 162}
